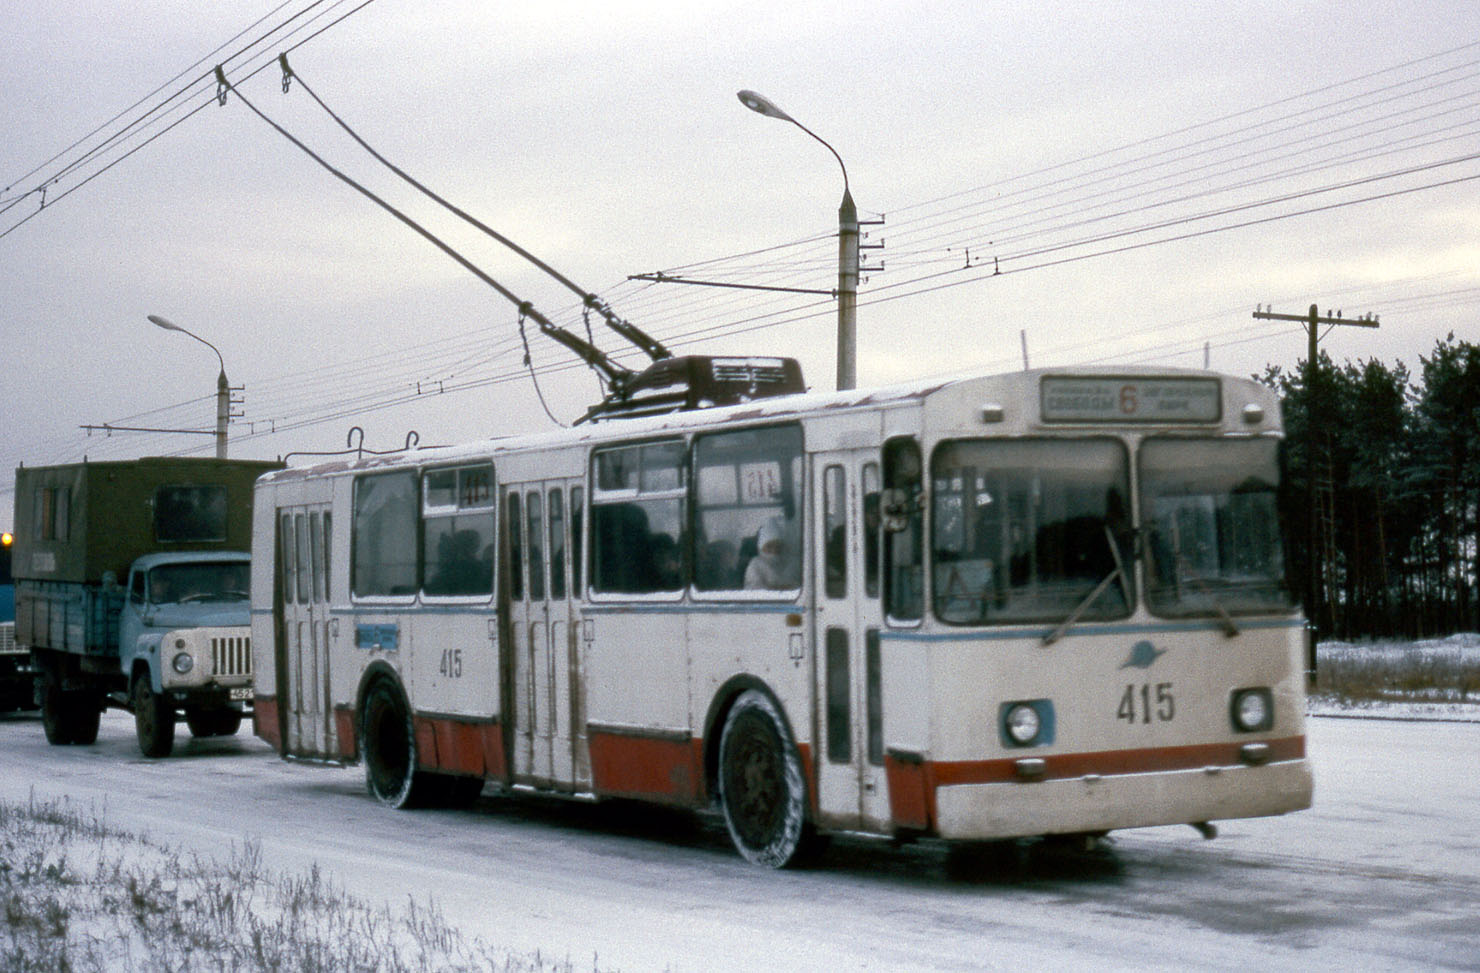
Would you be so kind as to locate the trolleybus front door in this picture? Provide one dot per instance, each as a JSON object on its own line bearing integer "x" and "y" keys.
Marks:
{"x": 303, "y": 649}
{"x": 848, "y": 724}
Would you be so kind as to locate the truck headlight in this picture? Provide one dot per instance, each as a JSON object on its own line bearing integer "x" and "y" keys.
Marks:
{"x": 1252, "y": 710}
{"x": 182, "y": 663}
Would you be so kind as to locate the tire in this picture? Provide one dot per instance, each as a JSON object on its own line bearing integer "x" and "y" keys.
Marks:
{"x": 69, "y": 716}
{"x": 213, "y": 722}
{"x": 54, "y": 715}
{"x": 761, "y": 787}
{"x": 389, "y": 744}
{"x": 87, "y": 716}
{"x": 154, "y": 719}
{"x": 228, "y": 722}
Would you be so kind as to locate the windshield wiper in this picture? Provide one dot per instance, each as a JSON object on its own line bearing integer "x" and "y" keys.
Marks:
{"x": 1116, "y": 572}
{"x": 1182, "y": 570}
{"x": 1230, "y": 628}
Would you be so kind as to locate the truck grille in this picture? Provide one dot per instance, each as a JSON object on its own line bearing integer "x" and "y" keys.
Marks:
{"x": 231, "y": 655}
{"x": 7, "y": 638}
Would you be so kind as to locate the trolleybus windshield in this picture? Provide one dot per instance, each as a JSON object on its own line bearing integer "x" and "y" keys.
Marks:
{"x": 1211, "y": 527}
{"x": 1029, "y": 530}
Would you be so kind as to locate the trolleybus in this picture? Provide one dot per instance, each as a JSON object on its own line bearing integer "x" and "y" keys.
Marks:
{"x": 1039, "y": 603}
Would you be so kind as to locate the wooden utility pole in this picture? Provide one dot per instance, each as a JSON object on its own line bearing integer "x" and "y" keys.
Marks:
{"x": 1312, "y": 321}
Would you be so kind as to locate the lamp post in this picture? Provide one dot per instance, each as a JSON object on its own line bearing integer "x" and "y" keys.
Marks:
{"x": 847, "y": 249}
{"x": 223, "y": 390}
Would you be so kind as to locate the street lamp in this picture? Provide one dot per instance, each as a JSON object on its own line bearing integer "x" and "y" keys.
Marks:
{"x": 223, "y": 390}
{"x": 847, "y": 249}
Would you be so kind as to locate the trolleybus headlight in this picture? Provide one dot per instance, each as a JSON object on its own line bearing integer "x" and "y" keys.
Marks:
{"x": 1021, "y": 723}
{"x": 1252, "y": 710}
{"x": 182, "y": 663}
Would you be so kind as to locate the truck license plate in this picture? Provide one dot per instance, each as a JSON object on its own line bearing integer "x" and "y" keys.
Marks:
{"x": 244, "y": 693}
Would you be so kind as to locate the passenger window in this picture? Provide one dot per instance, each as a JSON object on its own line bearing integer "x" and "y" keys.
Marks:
{"x": 383, "y": 555}
{"x": 637, "y": 516}
{"x": 747, "y": 510}
{"x": 457, "y": 531}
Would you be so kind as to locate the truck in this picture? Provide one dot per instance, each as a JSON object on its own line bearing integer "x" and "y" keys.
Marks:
{"x": 131, "y": 591}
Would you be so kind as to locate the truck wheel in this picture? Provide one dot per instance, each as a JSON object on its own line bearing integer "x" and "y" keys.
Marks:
{"x": 761, "y": 787}
{"x": 213, "y": 722}
{"x": 87, "y": 714}
{"x": 389, "y": 743}
{"x": 228, "y": 722}
{"x": 54, "y": 716}
{"x": 154, "y": 719}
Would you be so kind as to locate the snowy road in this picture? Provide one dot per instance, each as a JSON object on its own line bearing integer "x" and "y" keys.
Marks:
{"x": 1383, "y": 873}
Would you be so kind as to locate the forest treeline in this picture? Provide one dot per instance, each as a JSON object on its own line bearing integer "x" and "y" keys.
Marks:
{"x": 1396, "y": 477}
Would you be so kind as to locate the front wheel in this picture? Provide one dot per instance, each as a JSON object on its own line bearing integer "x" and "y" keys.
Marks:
{"x": 154, "y": 719}
{"x": 213, "y": 722}
{"x": 761, "y": 787}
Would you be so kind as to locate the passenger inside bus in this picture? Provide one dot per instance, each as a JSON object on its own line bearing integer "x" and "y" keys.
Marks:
{"x": 775, "y": 566}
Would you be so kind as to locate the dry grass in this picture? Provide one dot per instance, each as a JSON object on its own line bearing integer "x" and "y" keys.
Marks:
{"x": 1441, "y": 671}
{"x": 77, "y": 895}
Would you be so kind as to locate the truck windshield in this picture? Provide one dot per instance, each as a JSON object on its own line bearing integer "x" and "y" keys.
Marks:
{"x": 1211, "y": 527}
{"x": 1030, "y": 530}
{"x": 198, "y": 581}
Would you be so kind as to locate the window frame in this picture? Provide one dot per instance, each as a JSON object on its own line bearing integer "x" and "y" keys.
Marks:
{"x": 599, "y": 497}
{"x": 804, "y": 555}
{"x": 1128, "y": 466}
{"x": 460, "y": 507}
{"x": 385, "y": 598}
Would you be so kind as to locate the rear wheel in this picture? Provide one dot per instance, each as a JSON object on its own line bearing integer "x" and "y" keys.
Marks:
{"x": 69, "y": 715}
{"x": 154, "y": 719}
{"x": 87, "y": 715}
{"x": 761, "y": 787}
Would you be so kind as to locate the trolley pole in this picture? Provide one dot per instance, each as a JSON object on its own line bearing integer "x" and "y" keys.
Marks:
{"x": 1312, "y": 321}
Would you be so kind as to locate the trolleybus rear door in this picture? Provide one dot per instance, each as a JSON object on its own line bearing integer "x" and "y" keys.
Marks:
{"x": 848, "y": 727}
{"x": 303, "y": 649}
{"x": 543, "y": 653}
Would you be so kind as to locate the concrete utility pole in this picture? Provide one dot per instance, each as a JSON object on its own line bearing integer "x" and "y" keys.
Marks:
{"x": 1312, "y": 321}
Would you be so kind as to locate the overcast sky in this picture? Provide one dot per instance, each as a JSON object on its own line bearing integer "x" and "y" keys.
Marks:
{"x": 607, "y": 139}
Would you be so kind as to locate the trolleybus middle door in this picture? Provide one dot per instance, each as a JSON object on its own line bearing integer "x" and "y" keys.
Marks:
{"x": 849, "y": 723}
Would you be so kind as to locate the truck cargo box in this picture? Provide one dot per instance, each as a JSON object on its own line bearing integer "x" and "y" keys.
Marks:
{"x": 76, "y": 522}
{"x": 79, "y": 526}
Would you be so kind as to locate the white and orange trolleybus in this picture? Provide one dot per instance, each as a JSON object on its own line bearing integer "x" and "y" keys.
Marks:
{"x": 1046, "y": 602}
